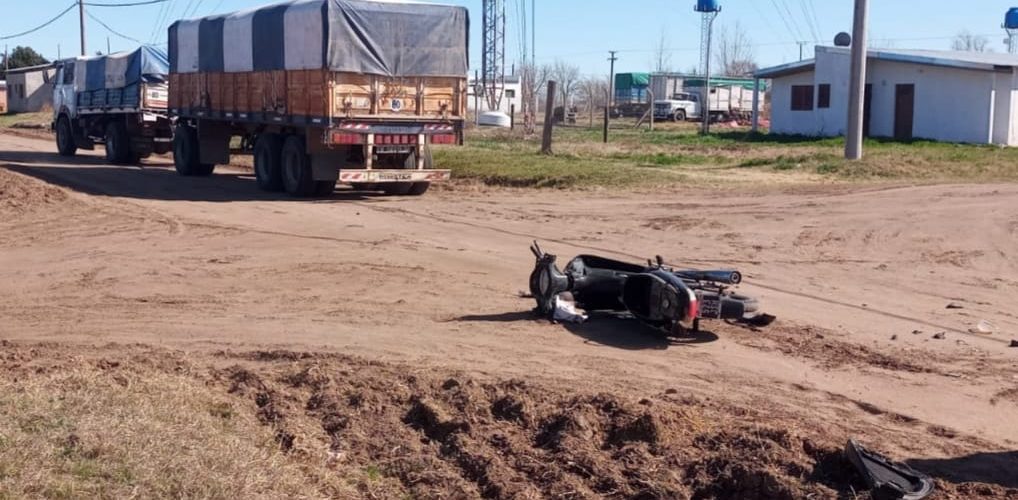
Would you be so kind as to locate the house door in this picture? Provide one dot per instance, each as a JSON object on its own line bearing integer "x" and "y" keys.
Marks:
{"x": 904, "y": 111}
{"x": 867, "y": 110}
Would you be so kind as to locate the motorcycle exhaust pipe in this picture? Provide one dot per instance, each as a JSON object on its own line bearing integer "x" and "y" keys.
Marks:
{"x": 727, "y": 277}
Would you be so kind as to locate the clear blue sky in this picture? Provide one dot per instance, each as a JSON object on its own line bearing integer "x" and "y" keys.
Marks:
{"x": 579, "y": 31}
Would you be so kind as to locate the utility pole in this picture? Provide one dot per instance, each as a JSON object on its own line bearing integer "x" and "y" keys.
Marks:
{"x": 802, "y": 45}
{"x": 81, "y": 18}
{"x": 6, "y": 57}
{"x": 857, "y": 83}
{"x": 611, "y": 93}
{"x": 108, "y": 51}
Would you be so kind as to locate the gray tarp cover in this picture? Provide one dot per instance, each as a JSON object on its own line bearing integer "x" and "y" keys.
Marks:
{"x": 119, "y": 70}
{"x": 386, "y": 38}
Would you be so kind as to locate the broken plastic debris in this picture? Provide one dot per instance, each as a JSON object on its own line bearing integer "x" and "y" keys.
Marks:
{"x": 985, "y": 327}
{"x": 566, "y": 311}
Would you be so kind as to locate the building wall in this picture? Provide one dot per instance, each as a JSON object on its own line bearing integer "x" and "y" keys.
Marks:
{"x": 30, "y": 91}
{"x": 951, "y": 104}
{"x": 783, "y": 119}
{"x": 516, "y": 89}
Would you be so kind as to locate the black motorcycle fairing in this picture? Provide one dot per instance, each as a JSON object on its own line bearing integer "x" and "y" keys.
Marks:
{"x": 597, "y": 282}
{"x": 658, "y": 298}
{"x": 888, "y": 480}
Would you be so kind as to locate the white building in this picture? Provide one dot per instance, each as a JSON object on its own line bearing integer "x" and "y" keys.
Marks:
{"x": 512, "y": 94}
{"x": 30, "y": 89}
{"x": 923, "y": 94}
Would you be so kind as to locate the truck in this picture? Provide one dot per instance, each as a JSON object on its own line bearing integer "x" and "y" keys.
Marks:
{"x": 118, "y": 100}
{"x": 726, "y": 102}
{"x": 320, "y": 92}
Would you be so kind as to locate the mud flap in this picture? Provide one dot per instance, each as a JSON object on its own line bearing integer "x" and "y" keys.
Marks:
{"x": 888, "y": 480}
{"x": 325, "y": 166}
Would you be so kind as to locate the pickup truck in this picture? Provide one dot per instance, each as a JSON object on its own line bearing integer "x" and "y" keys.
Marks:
{"x": 321, "y": 91}
{"x": 118, "y": 100}
{"x": 681, "y": 107}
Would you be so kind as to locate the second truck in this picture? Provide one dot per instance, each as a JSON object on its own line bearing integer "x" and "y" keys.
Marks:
{"x": 321, "y": 91}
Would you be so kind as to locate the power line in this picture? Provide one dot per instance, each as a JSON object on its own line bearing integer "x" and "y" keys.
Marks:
{"x": 111, "y": 30}
{"x": 163, "y": 9}
{"x": 131, "y": 4}
{"x": 43, "y": 25}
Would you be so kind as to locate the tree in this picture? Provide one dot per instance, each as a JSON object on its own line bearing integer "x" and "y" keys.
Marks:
{"x": 567, "y": 75}
{"x": 23, "y": 57}
{"x": 734, "y": 52}
{"x": 968, "y": 42}
{"x": 594, "y": 92}
{"x": 662, "y": 62}
{"x": 533, "y": 80}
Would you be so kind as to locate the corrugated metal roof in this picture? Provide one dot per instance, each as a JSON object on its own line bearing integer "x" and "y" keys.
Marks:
{"x": 985, "y": 61}
{"x": 29, "y": 69}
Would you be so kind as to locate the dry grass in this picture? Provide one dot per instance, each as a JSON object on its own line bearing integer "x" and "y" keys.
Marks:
{"x": 82, "y": 431}
{"x": 29, "y": 120}
{"x": 675, "y": 154}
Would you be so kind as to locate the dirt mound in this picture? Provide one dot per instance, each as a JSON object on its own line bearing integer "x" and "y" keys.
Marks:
{"x": 20, "y": 194}
{"x": 434, "y": 436}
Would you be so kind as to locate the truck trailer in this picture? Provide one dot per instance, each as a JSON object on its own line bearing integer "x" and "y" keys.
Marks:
{"x": 321, "y": 91}
{"x": 118, "y": 100}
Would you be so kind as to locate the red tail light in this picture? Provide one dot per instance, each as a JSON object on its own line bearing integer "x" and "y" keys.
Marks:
{"x": 693, "y": 311}
{"x": 443, "y": 139}
{"x": 341, "y": 138}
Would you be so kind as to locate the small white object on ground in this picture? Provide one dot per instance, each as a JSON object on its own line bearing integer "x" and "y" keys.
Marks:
{"x": 986, "y": 327}
{"x": 566, "y": 311}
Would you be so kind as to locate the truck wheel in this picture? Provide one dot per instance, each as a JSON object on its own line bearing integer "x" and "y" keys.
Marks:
{"x": 297, "y": 179}
{"x": 419, "y": 188}
{"x": 397, "y": 188}
{"x": 680, "y": 116}
{"x": 324, "y": 188}
{"x": 185, "y": 153}
{"x": 118, "y": 144}
{"x": 267, "y": 157}
{"x": 65, "y": 137}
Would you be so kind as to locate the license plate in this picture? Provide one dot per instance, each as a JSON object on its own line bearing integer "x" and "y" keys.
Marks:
{"x": 710, "y": 307}
{"x": 386, "y": 176}
{"x": 387, "y": 150}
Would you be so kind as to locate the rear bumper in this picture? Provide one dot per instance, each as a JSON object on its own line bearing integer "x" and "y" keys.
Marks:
{"x": 387, "y": 176}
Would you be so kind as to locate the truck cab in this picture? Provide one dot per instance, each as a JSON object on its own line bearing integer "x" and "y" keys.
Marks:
{"x": 681, "y": 107}
{"x": 118, "y": 100}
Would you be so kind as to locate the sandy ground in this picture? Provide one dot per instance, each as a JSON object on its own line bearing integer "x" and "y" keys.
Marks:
{"x": 860, "y": 278}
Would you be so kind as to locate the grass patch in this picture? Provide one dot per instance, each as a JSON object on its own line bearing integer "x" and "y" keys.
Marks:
{"x": 42, "y": 118}
{"x": 86, "y": 432}
{"x": 677, "y": 154}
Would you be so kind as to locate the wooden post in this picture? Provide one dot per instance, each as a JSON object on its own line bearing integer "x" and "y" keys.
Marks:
{"x": 549, "y": 118}
{"x": 650, "y": 95}
{"x": 512, "y": 116}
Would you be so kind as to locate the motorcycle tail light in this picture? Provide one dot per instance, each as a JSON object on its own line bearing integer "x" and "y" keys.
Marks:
{"x": 693, "y": 311}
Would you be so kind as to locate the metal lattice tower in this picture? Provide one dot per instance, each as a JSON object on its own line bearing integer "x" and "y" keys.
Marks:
{"x": 1012, "y": 41}
{"x": 493, "y": 65}
{"x": 706, "y": 29}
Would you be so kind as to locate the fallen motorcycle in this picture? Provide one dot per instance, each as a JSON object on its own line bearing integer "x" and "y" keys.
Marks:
{"x": 662, "y": 297}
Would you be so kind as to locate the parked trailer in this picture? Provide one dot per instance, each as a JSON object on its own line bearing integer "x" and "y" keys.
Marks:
{"x": 118, "y": 100}
{"x": 322, "y": 91}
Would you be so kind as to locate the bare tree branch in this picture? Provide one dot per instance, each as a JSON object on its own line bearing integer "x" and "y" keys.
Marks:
{"x": 968, "y": 42}
{"x": 662, "y": 62}
{"x": 734, "y": 52}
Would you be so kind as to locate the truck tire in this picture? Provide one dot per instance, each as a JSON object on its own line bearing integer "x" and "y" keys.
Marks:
{"x": 397, "y": 188}
{"x": 185, "y": 153}
{"x": 65, "y": 137}
{"x": 118, "y": 144}
{"x": 419, "y": 188}
{"x": 679, "y": 116}
{"x": 324, "y": 188}
{"x": 268, "y": 152}
{"x": 297, "y": 176}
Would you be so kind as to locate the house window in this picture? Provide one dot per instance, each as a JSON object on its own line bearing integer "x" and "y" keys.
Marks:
{"x": 824, "y": 95}
{"x": 802, "y": 98}
{"x": 510, "y": 93}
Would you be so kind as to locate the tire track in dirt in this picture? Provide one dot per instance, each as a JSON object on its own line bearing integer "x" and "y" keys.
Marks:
{"x": 638, "y": 258}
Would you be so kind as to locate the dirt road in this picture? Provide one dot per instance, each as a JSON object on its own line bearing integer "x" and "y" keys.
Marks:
{"x": 860, "y": 278}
